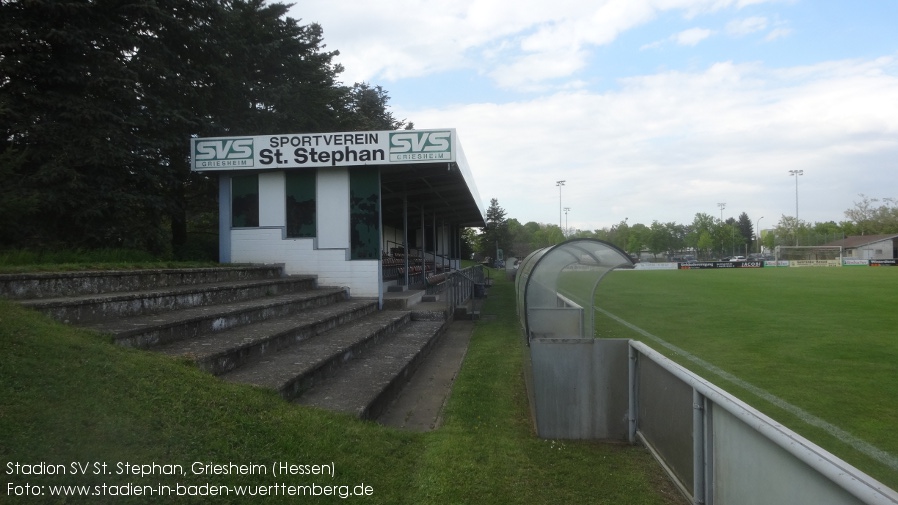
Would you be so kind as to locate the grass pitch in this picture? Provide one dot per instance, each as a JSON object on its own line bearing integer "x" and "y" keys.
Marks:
{"x": 823, "y": 339}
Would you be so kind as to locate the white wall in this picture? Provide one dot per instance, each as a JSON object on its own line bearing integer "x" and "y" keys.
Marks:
{"x": 266, "y": 245}
{"x": 272, "y": 202}
{"x": 333, "y": 208}
{"x": 326, "y": 256}
{"x": 876, "y": 250}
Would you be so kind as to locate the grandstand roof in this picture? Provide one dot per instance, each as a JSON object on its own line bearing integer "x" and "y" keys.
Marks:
{"x": 426, "y": 167}
{"x": 442, "y": 189}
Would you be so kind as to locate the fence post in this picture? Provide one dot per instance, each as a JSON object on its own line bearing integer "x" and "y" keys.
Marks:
{"x": 631, "y": 388}
{"x": 698, "y": 447}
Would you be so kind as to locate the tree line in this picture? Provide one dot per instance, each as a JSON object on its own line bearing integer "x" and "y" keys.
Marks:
{"x": 706, "y": 236}
{"x": 99, "y": 98}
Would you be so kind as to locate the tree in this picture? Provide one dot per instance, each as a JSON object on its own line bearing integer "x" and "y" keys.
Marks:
{"x": 704, "y": 242}
{"x": 639, "y": 236}
{"x": 746, "y": 230}
{"x": 368, "y": 106}
{"x": 495, "y": 234}
{"x": 862, "y": 215}
{"x": 241, "y": 68}
{"x": 677, "y": 234}
{"x": 70, "y": 127}
{"x": 826, "y": 232}
{"x": 660, "y": 239}
{"x": 619, "y": 234}
{"x": 788, "y": 231}
{"x": 769, "y": 240}
{"x": 724, "y": 236}
{"x": 547, "y": 235}
{"x": 468, "y": 242}
{"x": 700, "y": 236}
{"x": 520, "y": 238}
{"x": 98, "y": 99}
{"x": 868, "y": 219}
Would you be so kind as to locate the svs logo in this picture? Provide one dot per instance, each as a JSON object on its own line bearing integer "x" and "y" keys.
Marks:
{"x": 420, "y": 145}
{"x": 222, "y": 150}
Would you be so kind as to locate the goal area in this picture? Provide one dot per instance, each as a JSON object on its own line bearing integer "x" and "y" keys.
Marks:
{"x": 810, "y": 256}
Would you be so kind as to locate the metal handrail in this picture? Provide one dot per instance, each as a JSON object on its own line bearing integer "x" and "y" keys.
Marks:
{"x": 860, "y": 485}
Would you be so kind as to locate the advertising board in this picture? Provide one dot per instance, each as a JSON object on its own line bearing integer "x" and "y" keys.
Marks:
{"x": 307, "y": 150}
{"x": 702, "y": 265}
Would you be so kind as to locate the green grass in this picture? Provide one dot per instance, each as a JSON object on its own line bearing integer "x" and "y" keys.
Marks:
{"x": 821, "y": 339}
{"x": 68, "y": 395}
{"x": 58, "y": 260}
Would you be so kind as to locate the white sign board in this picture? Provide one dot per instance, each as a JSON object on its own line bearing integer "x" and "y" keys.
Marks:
{"x": 306, "y": 150}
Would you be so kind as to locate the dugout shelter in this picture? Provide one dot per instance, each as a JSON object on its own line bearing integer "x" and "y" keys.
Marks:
{"x": 345, "y": 206}
{"x": 576, "y": 383}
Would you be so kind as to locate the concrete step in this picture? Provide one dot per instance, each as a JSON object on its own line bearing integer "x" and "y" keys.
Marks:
{"x": 227, "y": 350}
{"x": 60, "y": 284}
{"x": 430, "y": 311}
{"x": 365, "y": 386}
{"x": 297, "y": 369}
{"x": 83, "y": 309}
{"x": 253, "y": 326}
{"x": 402, "y": 300}
{"x": 158, "y": 329}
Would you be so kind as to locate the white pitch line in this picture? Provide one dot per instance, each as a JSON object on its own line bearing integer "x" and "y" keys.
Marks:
{"x": 870, "y": 450}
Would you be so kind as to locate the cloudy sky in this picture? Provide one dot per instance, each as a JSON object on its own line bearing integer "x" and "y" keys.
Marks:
{"x": 648, "y": 109}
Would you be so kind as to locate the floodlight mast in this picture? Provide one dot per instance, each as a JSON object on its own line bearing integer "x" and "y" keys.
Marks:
{"x": 796, "y": 173}
{"x": 564, "y": 231}
{"x": 559, "y": 184}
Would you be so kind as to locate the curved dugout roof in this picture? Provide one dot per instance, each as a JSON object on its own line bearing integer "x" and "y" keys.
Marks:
{"x": 556, "y": 287}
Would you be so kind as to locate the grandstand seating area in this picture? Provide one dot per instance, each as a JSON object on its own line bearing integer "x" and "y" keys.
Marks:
{"x": 421, "y": 272}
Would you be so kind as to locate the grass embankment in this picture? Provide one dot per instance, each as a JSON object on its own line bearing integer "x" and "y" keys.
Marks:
{"x": 25, "y": 260}
{"x": 67, "y": 395}
{"x": 821, "y": 339}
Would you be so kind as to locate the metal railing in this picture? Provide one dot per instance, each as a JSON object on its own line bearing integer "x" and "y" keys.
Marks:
{"x": 459, "y": 286}
{"x": 718, "y": 449}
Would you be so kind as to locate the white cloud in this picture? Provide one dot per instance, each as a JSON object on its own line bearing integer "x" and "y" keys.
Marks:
{"x": 669, "y": 145}
{"x": 746, "y": 26}
{"x": 409, "y": 38}
{"x": 778, "y": 33}
{"x": 532, "y": 71}
{"x": 692, "y": 36}
{"x": 661, "y": 144}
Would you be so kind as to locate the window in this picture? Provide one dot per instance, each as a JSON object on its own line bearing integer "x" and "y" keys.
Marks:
{"x": 301, "y": 204}
{"x": 364, "y": 213}
{"x": 245, "y": 201}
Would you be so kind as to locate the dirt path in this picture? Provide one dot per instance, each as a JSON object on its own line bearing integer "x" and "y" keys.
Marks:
{"x": 420, "y": 405}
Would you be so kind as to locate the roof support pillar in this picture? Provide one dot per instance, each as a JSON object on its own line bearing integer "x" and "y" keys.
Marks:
{"x": 405, "y": 236}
